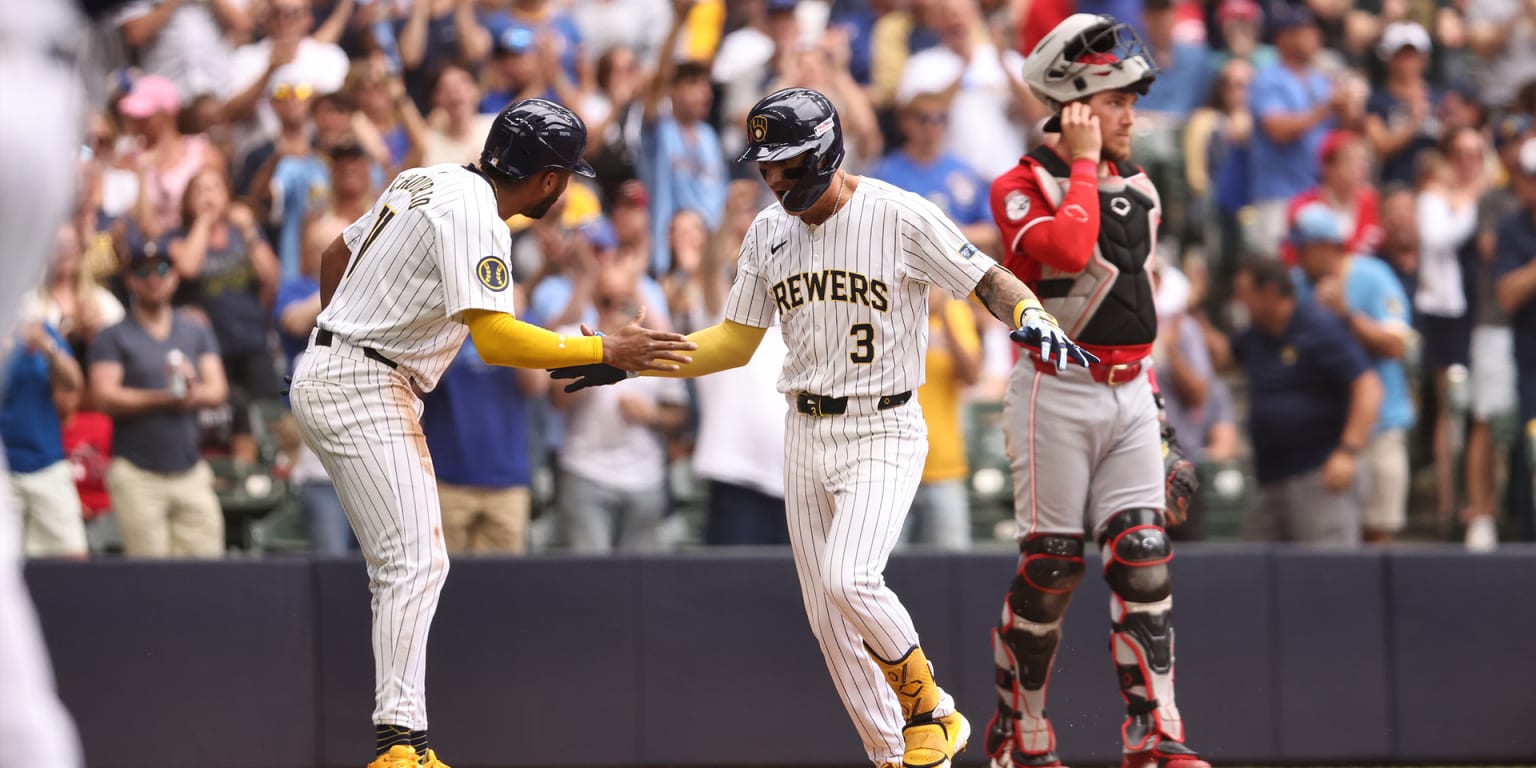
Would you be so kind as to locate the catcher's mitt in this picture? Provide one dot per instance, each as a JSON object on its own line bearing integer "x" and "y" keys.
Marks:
{"x": 1180, "y": 482}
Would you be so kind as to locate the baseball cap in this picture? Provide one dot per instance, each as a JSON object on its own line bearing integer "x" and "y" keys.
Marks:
{"x": 1528, "y": 157}
{"x": 1510, "y": 128}
{"x": 1285, "y": 16}
{"x": 599, "y": 231}
{"x": 143, "y": 249}
{"x": 150, "y": 95}
{"x": 1403, "y": 34}
{"x": 782, "y": 6}
{"x": 1315, "y": 223}
{"x": 1333, "y": 142}
{"x": 1239, "y": 10}
{"x": 515, "y": 39}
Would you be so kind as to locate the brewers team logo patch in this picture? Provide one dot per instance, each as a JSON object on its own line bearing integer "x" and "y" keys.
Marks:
{"x": 759, "y": 126}
{"x": 493, "y": 273}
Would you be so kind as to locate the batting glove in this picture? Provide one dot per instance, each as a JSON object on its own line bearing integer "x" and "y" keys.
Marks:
{"x": 590, "y": 375}
{"x": 1039, "y": 330}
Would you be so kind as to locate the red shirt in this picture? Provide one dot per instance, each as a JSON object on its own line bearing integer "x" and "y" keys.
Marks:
{"x": 1367, "y": 235}
{"x": 88, "y": 445}
{"x": 1038, "y": 234}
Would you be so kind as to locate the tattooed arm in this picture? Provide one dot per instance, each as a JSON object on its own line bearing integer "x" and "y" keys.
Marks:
{"x": 1005, "y": 296}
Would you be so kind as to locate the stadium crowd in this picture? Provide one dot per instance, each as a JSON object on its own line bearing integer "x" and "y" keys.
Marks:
{"x": 1345, "y": 279}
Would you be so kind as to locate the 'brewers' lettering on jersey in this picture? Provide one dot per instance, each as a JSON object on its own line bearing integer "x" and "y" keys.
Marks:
{"x": 432, "y": 247}
{"x": 852, "y": 293}
{"x": 831, "y": 285}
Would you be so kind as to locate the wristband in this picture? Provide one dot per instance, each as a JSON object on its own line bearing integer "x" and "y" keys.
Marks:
{"x": 1024, "y": 306}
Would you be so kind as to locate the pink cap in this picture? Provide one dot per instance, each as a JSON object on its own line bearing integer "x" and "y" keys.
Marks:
{"x": 151, "y": 95}
{"x": 1247, "y": 10}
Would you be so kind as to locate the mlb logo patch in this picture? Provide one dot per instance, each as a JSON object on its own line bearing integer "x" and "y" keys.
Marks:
{"x": 967, "y": 251}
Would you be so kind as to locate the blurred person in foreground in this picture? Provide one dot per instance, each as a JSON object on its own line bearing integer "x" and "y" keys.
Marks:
{"x": 1313, "y": 401}
{"x": 152, "y": 373}
{"x": 1366, "y": 296}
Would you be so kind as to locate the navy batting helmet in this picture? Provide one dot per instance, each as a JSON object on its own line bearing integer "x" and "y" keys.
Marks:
{"x": 531, "y": 135}
{"x": 793, "y": 122}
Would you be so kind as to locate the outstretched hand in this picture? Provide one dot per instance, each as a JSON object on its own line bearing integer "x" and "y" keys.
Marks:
{"x": 635, "y": 348}
{"x": 1040, "y": 331}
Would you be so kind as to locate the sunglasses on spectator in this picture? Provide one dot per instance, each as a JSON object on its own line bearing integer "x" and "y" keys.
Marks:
{"x": 157, "y": 268}
{"x": 286, "y": 91}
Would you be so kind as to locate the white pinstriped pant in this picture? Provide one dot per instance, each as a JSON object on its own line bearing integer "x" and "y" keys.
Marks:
{"x": 848, "y": 483}
{"x": 363, "y": 420}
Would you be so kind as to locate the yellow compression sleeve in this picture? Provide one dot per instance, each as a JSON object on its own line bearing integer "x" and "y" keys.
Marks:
{"x": 721, "y": 347}
{"x": 503, "y": 339}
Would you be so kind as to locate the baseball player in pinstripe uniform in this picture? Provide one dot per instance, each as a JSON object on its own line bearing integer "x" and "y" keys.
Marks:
{"x": 1079, "y": 221}
{"x": 401, "y": 288}
{"x": 845, "y": 264}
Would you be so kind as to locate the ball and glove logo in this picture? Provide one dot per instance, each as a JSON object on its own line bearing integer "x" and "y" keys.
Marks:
{"x": 758, "y": 128}
{"x": 493, "y": 273}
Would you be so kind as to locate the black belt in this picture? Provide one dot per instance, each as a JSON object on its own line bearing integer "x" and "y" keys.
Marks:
{"x": 821, "y": 405}
{"x": 324, "y": 338}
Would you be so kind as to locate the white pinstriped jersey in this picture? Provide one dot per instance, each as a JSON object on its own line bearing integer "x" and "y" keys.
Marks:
{"x": 431, "y": 247}
{"x": 852, "y": 293}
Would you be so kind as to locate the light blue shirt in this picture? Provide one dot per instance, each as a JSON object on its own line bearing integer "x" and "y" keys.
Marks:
{"x": 947, "y": 182}
{"x": 1371, "y": 289}
{"x": 680, "y": 174}
{"x": 1282, "y": 171}
{"x": 298, "y": 184}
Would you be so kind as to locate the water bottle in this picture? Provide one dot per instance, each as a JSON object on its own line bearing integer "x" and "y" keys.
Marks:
{"x": 176, "y": 373}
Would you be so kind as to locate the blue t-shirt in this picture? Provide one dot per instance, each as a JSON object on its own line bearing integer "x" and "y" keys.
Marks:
{"x": 1372, "y": 289}
{"x": 1184, "y": 85}
{"x": 299, "y": 184}
{"x": 947, "y": 182}
{"x": 29, "y": 423}
{"x": 476, "y": 424}
{"x": 859, "y": 23}
{"x": 567, "y": 34}
{"x": 680, "y": 174}
{"x": 1282, "y": 171}
{"x": 1300, "y": 386}
{"x": 1517, "y": 248}
{"x": 553, "y": 293}
{"x": 289, "y": 293}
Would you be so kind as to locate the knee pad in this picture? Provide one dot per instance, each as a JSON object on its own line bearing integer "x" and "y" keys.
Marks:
{"x": 1136, "y": 552}
{"x": 1050, "y": 568}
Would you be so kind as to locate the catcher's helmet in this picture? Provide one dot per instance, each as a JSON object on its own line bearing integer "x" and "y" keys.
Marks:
{"x": 1086, "y": 54}
{"x": 531, "y": 135}
{"x": 790, "y": 123}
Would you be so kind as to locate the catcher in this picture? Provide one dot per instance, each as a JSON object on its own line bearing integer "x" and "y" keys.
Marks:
{"x": 1088, "y": 448}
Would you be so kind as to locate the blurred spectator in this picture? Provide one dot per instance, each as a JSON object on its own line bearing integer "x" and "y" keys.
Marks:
{"x": 982, "y": 84}
{"x": 612, "y": 114}
{"x": 1345, "y": 190}
{"x": 151, "y": 373}
{"x": 941, "y": 511}
{"x": 223, "y": 261}
{"x": 750, "y": 57}
{"x": 1218, "y": 162}
{"x": 1240, "y": 27}
{"x": 1313, "y": 401}
{"x": 923, "y": 165}
{"x": 563, "y": 293}
{"x": 168, "y": 160}
{"x": 185, "y": 41}
{"x": 680, "y": 158}
{"x": 687, "y": 285}
{"x": 905, "y": 29}
{"x": 1367, "y": 297}
{"x": 69, "y": 301}
{"x": 514, "y": 71}
{"x": 1401, "y": 120}
{"x": 114, "y": 187}
{"x": 632, "y": 217}
{"x": 1400, "y": 235}
{"x": 1447, "y": 219}
{"x": 286, "y": 175}
{"x": 387, "y": 122}
{"x": 636, "y": 25}
{"x": 87, "y": 441}
{"x": 1294, "y": 106}
{"x": 1492, "y": 375}
{"x": 1185, "y": 69}
{"x": 288, "y": 54}
{"x": 42, "y": 389}
{"x": 476, "y": 424}
{"x": 552, "y": 26}
{"x": 1503, "y": 35}
{"x": 1515, "y": 269}
{"x": 1196, "y": 402}
{"x": 857, "y": 21}
{"x": 613, "y": 458}
{"x": 455, "y": 128}
{"x": 436, "y": 33}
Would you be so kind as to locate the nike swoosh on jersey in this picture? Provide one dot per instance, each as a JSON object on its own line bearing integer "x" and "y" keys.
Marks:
{"x": 775, "y": 249}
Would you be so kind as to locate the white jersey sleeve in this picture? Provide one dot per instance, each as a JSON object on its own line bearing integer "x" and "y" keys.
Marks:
{"x": 936, "y": 252}
{"x": 751, "y": 298}
{"x": 473, "y": 244}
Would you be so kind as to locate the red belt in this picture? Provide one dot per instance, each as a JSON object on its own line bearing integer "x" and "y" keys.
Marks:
{"x": 1108, "y": 375}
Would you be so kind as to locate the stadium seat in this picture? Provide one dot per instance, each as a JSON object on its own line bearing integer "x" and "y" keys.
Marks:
{"x": 246, "y": 494}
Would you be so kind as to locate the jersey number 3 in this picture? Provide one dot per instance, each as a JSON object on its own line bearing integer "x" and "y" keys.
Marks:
{"x": 863, "y": 343}
{"x": 385, "y": 216}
